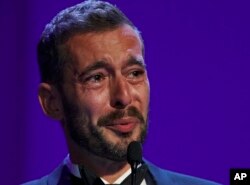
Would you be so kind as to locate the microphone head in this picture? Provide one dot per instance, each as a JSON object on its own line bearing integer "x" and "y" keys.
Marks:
{"x": 134, "y": 153}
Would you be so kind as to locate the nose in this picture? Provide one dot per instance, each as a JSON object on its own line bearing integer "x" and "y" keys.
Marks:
{"x": 120, "y": 95}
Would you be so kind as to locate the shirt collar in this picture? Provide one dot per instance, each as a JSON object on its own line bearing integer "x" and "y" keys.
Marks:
{"x": 74, "y": 170}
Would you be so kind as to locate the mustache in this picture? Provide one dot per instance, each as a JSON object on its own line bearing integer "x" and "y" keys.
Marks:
{"x": 118, "y": 114}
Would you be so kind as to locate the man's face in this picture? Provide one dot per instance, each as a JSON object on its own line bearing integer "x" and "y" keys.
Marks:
{"x": 105, "y": 93}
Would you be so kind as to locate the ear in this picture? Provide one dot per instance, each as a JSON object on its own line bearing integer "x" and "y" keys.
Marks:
{"x": 50, "y": 101}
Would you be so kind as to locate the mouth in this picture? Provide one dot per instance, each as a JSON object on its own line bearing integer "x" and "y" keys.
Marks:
{"x": 124, "y": 125}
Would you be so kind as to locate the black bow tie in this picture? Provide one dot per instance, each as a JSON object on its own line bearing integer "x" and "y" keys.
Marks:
{"x": 88, "y": 178}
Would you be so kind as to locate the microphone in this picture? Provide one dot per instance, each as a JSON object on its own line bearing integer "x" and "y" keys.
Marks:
{"x": 134, "y": 157}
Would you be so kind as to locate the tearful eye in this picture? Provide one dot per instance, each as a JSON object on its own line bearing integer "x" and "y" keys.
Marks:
{"x": 136, "y": 74}
{"x": 95, "y": 78}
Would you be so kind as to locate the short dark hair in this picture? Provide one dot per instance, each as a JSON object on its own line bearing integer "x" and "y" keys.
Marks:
{"x": 85, "y": 17}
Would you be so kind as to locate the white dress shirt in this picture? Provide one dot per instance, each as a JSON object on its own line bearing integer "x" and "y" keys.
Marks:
{"x": 74, "y": 170}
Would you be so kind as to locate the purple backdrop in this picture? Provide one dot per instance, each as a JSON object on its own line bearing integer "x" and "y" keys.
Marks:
{"x": 198, "y": 55}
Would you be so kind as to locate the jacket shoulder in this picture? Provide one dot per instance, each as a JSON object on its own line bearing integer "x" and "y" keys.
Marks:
{"x": 51, "y": 179}
{"x": 163, "y": 177}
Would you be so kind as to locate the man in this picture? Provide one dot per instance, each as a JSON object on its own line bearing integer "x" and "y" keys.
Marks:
{"x": 94, "y": 81}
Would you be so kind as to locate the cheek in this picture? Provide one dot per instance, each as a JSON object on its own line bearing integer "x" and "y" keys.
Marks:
{"x": 146, "y": 99}
{"x": 142, "y": 95}
{"x": 146, "y": 90}
{"x": 95, "y": 103}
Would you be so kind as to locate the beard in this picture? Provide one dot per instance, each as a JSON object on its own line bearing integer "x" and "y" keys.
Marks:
{"x": 91, "y": 136}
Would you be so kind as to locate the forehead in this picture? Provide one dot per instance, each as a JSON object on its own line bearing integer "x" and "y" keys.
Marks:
{"x": 123, "y": 39}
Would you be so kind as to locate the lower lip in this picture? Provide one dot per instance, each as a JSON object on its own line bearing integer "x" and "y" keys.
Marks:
{"x": 123, "y": 128}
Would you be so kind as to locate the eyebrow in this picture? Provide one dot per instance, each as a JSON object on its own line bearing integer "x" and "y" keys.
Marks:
{"x": 104, "y": 65}
{"x": 134, "y": 61}
{"x": 97, "y": 65}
